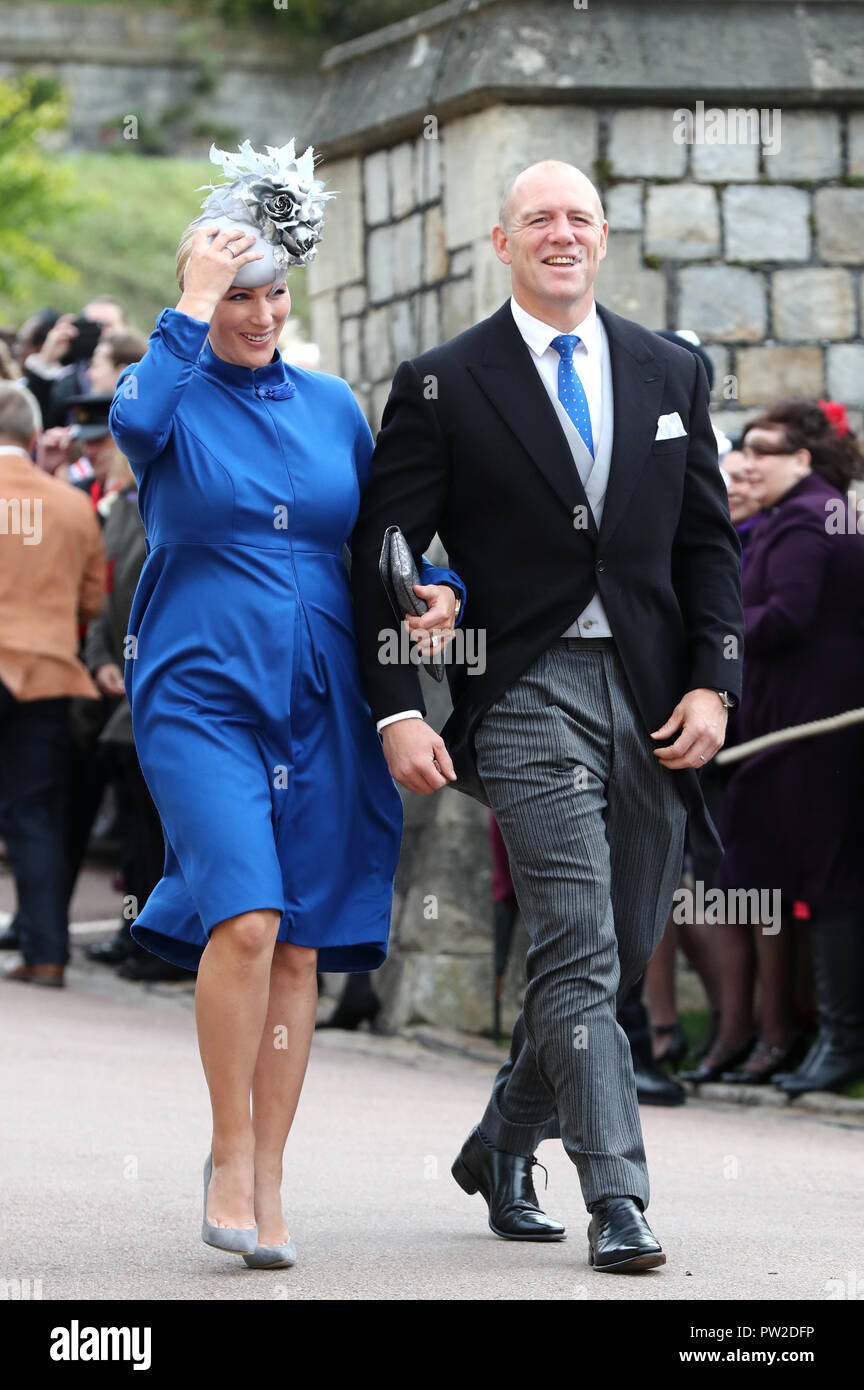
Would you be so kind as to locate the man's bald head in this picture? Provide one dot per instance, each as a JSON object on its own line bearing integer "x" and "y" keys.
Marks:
{"x": 522, "y": 184}
{"x": 552, "y": 235}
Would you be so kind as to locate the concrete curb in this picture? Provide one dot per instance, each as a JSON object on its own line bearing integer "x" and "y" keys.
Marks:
{"x": 813, "y": 1102}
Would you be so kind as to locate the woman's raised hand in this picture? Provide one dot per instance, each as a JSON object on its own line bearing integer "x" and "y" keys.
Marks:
{"x": 212, "y": 268}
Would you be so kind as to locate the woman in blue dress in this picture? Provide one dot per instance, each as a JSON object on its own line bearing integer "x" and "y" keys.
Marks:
{"x": 282, "y": 824}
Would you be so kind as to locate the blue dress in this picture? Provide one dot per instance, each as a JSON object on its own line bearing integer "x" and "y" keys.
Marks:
{"x": 250, "y": 721}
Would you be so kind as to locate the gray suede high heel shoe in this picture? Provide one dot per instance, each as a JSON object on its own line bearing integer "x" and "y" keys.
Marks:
{"x": 240, "y": 1240}
{"x": 272, "y": 1256}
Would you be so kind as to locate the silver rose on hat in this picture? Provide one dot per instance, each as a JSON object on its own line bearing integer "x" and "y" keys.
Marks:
{"x": 277, "y": 193}
{"x": 284, "y": 217}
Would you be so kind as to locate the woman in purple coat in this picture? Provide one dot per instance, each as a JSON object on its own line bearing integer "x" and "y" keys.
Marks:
{"x": 792, "y": 820}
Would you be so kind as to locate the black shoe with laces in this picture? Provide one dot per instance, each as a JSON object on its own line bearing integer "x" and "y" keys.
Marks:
{"x": 620, "y": 1241}
{"x": 506, "y": 1182}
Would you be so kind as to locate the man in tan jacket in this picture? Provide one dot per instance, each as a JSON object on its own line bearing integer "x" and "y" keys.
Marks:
{"x": 52, "y": 579}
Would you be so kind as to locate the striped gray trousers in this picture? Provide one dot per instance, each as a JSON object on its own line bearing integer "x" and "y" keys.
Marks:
{"x": 594, "y": 827}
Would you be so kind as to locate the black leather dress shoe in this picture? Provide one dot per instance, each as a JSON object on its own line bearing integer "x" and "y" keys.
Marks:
{"x": 505, "y": 1180}
{"x": 828, "y": 1066}
{"x": 150, "y": 968}
{"x": 112, "y": 952}
{"x": 654, "y": 1087}
{"x": 619, "y": 1238}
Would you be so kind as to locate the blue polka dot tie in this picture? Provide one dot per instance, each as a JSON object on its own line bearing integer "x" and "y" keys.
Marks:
{"x": 571, "y": 392}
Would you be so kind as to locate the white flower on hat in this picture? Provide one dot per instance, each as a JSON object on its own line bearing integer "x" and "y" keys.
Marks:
{"x": 276, "y": 192}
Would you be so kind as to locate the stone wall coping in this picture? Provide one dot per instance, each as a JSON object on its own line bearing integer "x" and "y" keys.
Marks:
{"x": 454, "y": 9}
{"x": 389, "y": 34}
{"x": 455, "y": 59}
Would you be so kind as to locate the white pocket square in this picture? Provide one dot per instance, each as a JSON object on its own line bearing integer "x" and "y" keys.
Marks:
{"x": 670, "y": 427}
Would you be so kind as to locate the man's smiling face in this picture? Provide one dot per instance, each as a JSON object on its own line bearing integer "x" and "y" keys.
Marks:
{"x": 553, "y": 237}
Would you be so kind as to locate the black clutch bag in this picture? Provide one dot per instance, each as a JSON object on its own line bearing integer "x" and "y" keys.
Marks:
{"x": 399, "y": 574}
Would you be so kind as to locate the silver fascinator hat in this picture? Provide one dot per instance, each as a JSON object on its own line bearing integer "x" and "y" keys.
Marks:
{"x": 274, "y": 196}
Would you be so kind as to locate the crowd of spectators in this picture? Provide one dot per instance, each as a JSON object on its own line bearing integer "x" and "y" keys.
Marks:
{"x": 67, "y": 751}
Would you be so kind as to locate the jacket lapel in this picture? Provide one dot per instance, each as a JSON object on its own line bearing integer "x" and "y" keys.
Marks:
{"x": 509, "y": 379}
{"x": 637, "y": 389}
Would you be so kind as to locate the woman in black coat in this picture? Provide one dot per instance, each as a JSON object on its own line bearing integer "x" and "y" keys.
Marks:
{"x": 792, "y": 819}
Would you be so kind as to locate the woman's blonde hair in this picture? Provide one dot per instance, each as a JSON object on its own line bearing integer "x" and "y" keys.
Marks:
{"x": 184, "y": 251}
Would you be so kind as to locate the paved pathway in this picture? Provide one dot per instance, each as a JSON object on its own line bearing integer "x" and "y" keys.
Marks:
{"x": 106, "y": 1128}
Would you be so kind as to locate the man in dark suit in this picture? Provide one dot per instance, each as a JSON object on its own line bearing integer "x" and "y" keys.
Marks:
{"x": 566, "y": 458}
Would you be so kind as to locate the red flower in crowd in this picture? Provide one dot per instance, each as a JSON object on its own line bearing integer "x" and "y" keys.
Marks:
{"x": 837, "y": 415}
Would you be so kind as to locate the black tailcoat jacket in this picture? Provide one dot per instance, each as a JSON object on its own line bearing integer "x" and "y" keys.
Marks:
{"x": 471, "y": 447}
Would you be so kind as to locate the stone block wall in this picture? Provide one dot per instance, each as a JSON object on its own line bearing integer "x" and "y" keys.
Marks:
{"x": 760, "y": 254}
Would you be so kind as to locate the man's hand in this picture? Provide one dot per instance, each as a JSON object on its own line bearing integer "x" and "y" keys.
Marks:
{"x": 434, "y": 629}
{"x": 52, "y": 450}
{"x": 109, "y": 679}
{"x": 701, "y": 718}
{"x": 416, "y": 756}
{"x": 56, "y": 342}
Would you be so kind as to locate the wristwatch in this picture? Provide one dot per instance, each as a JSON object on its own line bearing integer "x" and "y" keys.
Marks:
{"x": 728, "y": 700}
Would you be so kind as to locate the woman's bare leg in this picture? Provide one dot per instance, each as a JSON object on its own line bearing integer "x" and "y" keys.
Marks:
{"x": 230, "y": 1009}
{"x": 278, "y": 1078}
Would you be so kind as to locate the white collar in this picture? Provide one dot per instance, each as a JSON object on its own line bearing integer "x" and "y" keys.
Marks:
{"x": 16, "y": 449}
{"x": 538, "y": 335}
